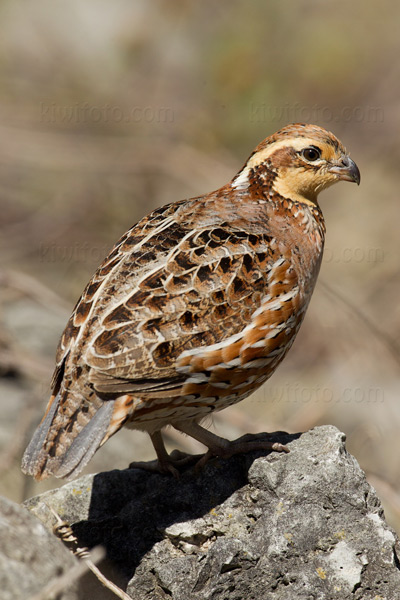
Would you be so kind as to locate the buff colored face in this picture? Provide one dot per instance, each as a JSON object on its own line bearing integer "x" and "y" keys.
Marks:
{"x": 304, "y": 166}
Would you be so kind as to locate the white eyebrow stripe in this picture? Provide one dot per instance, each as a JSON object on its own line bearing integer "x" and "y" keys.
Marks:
{"x": 262, "y": 155}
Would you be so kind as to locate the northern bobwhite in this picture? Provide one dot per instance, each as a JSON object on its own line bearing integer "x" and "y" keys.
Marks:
{"x": 194, "y": 308}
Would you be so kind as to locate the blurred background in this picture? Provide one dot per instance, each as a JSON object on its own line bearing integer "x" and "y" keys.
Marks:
{"x": 108, "y": 110}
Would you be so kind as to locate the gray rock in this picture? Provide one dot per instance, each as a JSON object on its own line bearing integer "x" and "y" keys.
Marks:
{"x": 30, "y": 556}
{"x": 304, "y": 525}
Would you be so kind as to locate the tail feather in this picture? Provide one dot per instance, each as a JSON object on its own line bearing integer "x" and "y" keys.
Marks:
{"x": 30, "y": 459}
{"x": 86, "y": 442}
{"x": 54, "y": 451}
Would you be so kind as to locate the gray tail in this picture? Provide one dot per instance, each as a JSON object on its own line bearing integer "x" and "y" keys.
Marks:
{"x": 63, "y": 452}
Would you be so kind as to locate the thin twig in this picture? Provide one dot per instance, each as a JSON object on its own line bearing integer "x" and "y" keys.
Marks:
{"x": 106, "y": 582}
{"x": 64, "y": 531}
{"x": 59, "y": 584}
{"x": 33, "y": 288}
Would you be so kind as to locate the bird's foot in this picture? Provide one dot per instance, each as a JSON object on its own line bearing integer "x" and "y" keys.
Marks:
{"x": 246, "y": 443}
{"x": 177, "y": 461}
{"x": 173, "y": 463}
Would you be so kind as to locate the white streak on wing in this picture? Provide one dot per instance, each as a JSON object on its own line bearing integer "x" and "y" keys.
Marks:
{"x": 267, "y": 303}
{"x": 198, "y": 378}
{"x": 261, "y": 308}
{"x": 260, "y": 344}
{"x": 235, "y": 362}
{"x": 278, "y": 263}
{"x": 276, "y": 304}
{"x": 258, "y": 363}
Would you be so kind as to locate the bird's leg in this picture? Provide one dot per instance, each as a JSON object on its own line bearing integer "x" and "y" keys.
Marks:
{"x": 218, "y": 446}
{"x": 164, "y": 463}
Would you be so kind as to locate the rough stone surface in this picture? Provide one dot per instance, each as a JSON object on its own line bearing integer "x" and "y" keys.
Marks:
{"x": 30, "y": 556}
{"x": 304, "y": 525}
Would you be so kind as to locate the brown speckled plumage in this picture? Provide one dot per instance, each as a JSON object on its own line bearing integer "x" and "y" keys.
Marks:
{"x": 195, "y": 306}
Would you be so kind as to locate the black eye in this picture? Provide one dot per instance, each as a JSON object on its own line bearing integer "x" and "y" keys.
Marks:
{"x": 311, "y": 153}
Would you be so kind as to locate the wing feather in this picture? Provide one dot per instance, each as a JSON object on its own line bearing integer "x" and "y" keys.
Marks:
{"x": 202, "y": 291}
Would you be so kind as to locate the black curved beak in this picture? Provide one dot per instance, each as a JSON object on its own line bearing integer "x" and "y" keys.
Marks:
{"x": 346, "y": 169}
